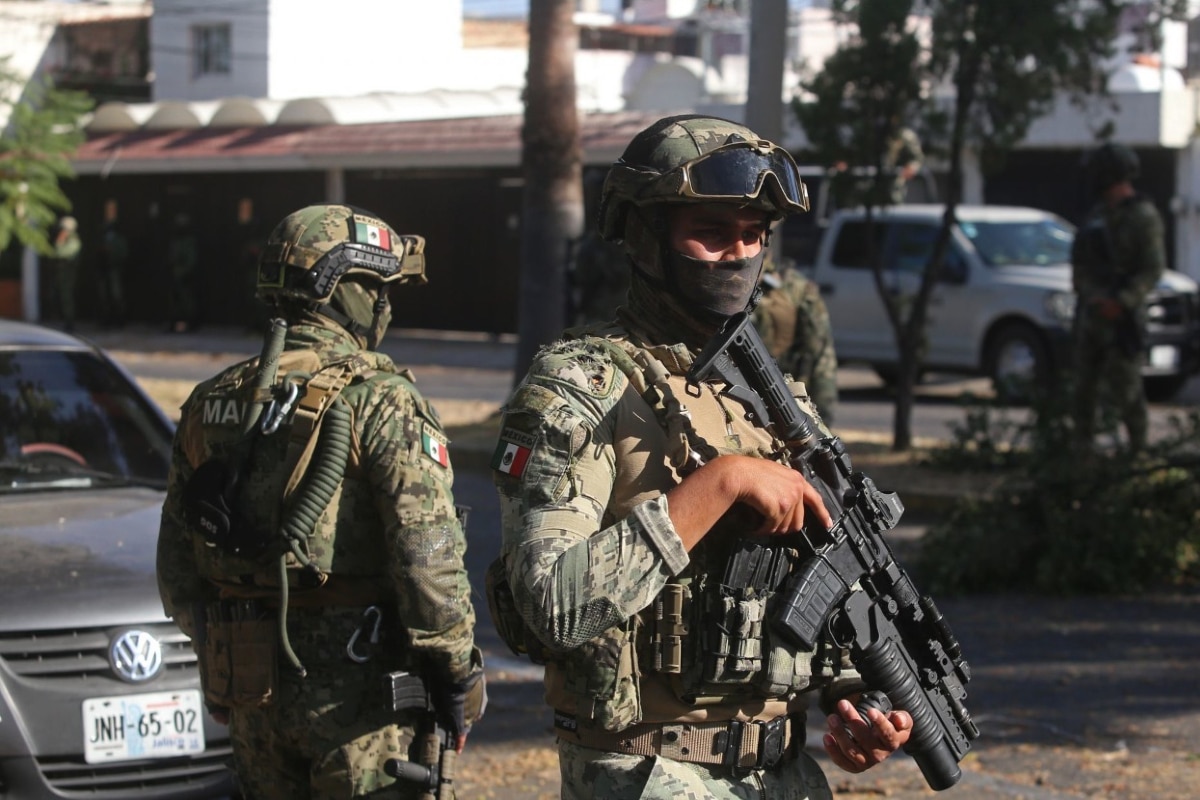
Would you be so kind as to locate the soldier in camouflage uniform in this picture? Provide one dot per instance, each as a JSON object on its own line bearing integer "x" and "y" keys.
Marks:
{"x": 1117, "y": 258}
{"x": 794, "y": 323}
{"x": 309, "y": 543}
{"x": 623, "y": 491}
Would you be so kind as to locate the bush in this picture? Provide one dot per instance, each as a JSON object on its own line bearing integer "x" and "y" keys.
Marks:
{"x": 1067, "y": 522}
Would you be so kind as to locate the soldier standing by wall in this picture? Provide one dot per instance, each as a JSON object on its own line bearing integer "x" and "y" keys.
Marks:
{"x": 183, "y": 255}
{"x": 65, "y": 270}
{"x": 310, "y": 544}
{"x": 623, "y": 491}
{"x": 1116, "y": 259}
{"x": 113, "y": 259}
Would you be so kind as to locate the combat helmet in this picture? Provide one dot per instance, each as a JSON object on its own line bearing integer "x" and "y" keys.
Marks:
{"x": 1110, "y": 164}
{"x": 699, "y": 159}
{"x": 313, "y": 249}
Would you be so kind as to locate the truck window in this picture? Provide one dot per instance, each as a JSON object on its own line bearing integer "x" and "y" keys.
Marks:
{"x": 851, "y": 250}
{"x": 1036, "y": 242}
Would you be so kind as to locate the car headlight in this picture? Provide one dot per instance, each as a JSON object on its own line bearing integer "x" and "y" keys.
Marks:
{"x": 1061, "y": 307}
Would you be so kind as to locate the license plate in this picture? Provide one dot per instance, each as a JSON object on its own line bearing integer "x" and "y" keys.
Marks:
{"x": 154, "y": 725}
{"x": 1164, "y": 356}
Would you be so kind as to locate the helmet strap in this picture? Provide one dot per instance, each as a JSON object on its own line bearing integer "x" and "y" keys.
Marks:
{"x": 326, "y": 310}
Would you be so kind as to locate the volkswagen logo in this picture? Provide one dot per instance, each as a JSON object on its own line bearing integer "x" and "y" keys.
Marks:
{"x": 136, "y": 656}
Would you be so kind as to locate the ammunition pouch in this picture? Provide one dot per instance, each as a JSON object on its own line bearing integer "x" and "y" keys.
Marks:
{"x": 407, "y": 691}
{"x": 239, "y": 658}
{"x": 735, "y": 643}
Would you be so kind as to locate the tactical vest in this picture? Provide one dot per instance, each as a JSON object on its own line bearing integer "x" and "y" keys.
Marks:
{"x": 290, "y": 470}
{"x": 701, "y": 643}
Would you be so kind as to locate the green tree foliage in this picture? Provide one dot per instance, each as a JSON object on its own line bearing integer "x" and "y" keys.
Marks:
{"x": 1062, "y": 522}
{"x": 970, "y": 75}
{"x": 42, "y": 134}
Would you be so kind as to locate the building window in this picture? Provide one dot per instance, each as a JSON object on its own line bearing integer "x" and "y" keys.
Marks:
{"x": 210, "y": 50}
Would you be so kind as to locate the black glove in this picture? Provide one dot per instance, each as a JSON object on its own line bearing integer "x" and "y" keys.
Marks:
{"x": 458, "y": 706}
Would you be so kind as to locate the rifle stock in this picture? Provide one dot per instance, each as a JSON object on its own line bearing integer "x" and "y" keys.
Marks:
{"x": 850, "y": 588}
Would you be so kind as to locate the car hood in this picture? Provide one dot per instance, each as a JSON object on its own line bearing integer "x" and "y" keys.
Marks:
{"x": 1176, "y": 281}
{"x": 79, "y": 558}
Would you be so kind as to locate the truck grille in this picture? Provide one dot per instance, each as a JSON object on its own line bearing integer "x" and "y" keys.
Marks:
{"x": 83, "y": 652}
{"x": 1180, "y": 310}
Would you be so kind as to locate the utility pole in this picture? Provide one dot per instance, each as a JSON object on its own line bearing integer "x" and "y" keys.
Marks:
{"x": 551, "y": 160}
{"x": 768, "y": 48}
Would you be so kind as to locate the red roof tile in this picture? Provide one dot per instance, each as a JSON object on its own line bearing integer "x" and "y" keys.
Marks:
{"x": 478, "y": 141}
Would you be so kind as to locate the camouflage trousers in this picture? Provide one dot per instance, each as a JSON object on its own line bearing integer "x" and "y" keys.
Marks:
{"x": 1108, "y": 387}
{"x": 327, "y": 735}
{"x": 588, "y": 773}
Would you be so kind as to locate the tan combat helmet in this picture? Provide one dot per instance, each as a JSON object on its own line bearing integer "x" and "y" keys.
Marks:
{"x": 312, "y": 249}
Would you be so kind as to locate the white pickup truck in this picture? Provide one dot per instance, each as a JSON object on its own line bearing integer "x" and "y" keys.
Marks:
{"x": 1003, "y": 305}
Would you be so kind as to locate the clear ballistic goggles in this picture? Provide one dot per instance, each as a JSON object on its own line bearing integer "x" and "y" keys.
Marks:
{"x": 740, "y": 171}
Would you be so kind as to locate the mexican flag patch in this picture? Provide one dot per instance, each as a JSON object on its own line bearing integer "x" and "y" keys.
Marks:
{"x": 367, "y": 233}
{"x": 434, "y": 447}
{"x": 512, "y": 452}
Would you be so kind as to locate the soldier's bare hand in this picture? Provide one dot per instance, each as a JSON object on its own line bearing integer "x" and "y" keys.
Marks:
{"x": 856, "y": 745}
{"x": 780, "y": 494}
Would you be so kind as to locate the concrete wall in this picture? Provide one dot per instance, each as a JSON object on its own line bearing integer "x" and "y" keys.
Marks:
{"x": 286, "y": 49}
{"x": 171, "y": 49}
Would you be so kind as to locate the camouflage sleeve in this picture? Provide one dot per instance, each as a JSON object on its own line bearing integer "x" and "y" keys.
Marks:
{"x": 179, "y": 584}
{"x": 574, "y": 570}
{"x": 406, "y": 461}
{"x": 1141, "y": 244}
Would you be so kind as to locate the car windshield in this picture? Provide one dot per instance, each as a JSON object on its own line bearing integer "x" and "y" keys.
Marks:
{"x": 68, "y": 419}
{"x": 1029, "y": 242}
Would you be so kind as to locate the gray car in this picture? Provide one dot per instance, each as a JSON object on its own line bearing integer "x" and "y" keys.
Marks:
{"x": 99, "y": 692}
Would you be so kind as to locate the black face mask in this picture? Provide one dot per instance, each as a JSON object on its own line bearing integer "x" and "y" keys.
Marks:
{"x": 716, "y": 289}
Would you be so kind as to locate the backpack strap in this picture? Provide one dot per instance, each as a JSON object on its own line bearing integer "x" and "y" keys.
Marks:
{"x": 318, "y": 393}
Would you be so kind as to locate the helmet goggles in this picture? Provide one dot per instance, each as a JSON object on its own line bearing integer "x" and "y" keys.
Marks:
{"x": 741, "y": 171}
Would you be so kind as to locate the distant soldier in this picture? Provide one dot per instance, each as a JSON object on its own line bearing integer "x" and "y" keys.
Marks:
{"x": 182, "y": 260}
{"x": 601, "y": 280}
{"x": 794, "y": 323}
{"x": 1117, "y": 258}
{"x": 903, "y": 159}
{"x": 65, "y": 270}
{"x": 113, "y": 258}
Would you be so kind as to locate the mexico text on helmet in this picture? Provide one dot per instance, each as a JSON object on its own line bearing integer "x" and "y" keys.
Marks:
{"x": 311, "y": 250}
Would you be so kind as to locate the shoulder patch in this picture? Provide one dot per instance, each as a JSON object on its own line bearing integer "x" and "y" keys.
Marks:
{"x": 434, "y": 444}
{"x": 582, "y": 363}
{"x": 512, "y": 451}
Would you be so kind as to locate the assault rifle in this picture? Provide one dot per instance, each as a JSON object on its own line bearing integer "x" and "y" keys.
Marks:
{"x": 434, "y": 757}
{"x": 848, "y": 588}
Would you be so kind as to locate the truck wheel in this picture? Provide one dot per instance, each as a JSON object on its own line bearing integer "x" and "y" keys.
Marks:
{"x": 1017, "y": 361}
{"x": 1161, "y": 388}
